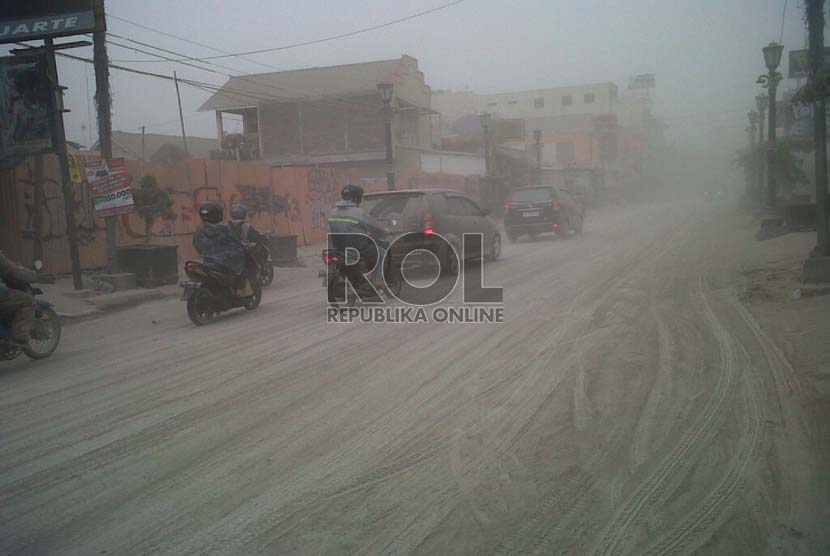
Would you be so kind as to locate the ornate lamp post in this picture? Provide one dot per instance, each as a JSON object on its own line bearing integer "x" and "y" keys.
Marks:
{"x": 761, "y": 103}
{"x": 753, "y": 124}
{"x": 386, "y": 91}
{"x": 772, "y": 57}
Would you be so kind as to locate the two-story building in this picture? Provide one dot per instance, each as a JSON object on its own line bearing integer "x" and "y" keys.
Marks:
{"x": 332, "y": 116}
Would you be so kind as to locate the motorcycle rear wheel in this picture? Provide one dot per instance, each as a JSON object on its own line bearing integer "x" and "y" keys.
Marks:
{"x": 255, "y": 299}
{"x": 200, "y": 308}
{"x": 50, "y": 323}
{"x": 267, "y": 276}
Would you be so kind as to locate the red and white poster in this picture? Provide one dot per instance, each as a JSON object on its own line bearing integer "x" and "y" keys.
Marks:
{"x": 109, "y": 184}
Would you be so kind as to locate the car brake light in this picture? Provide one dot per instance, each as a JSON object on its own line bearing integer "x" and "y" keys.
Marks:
{"x": 555, "y": 225}
{"x": 555, "y": 205}
{"x": 428, "y": 224}
{"x": 330, "y": 259}
{"x": 507, "y": 206}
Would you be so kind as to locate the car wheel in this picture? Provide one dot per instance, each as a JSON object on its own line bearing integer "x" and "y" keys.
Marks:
{"x": 564, "y": 228}
{"x": 495, "y": 249}
{"x": 450, "y": 264}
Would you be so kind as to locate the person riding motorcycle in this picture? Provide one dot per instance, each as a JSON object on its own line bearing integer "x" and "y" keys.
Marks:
{"x": 248, "y": 236}
{"x": 217, "y": 245}
{"x": 349, "y": 217}
{"x": 14, "y": 302}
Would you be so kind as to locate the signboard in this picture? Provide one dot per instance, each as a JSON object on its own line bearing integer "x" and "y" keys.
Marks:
{"x": 109, "y": 184}
{"x": 74, "y": 169}
{"x": 506, "y": 129}
{"x": 25, "y": 106}
{"x": 38, "y": 19}
{"x": 642, "y": 81}
{"x": 800, "y": 63}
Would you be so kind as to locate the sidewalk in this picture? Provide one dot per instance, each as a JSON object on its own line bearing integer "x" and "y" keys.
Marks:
{"x": 88, "y": 303}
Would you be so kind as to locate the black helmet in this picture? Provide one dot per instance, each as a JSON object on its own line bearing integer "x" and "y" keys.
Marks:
{"x": 353, "y": 193}
{"x": 212, "y": 212}
{"x": 239, "y": 212}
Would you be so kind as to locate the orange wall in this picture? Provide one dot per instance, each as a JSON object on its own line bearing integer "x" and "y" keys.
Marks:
{"x": 302, "y": 198}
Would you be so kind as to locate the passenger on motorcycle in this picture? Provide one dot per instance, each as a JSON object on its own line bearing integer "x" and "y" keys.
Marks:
{"x": 349, "y": 218}
{"x": 217, "y": 245}
{"x": 17, "y": 303}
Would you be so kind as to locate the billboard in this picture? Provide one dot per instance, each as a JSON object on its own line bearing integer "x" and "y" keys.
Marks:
{"x": 38, "y": 19}
{"x": 25, "y": 106}
{"x": 642, "y": 81}
{"x": 800, "y": 63}
{"x": 109, "y": 185}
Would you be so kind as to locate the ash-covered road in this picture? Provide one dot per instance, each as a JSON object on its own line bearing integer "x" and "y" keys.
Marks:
{"x": 630, "y": 404}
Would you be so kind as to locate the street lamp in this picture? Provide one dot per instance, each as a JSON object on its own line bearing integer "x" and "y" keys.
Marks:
{"x": 386, "y": 92}
{"x": 772, "y": 57}
{"x": 752, "y": 115}
{"x": 761, "y": 102}
{"x": 537, "y": 137}
{"x": 485, "y": 119}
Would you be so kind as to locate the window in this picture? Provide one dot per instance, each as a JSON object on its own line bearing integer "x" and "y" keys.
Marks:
{"x": 456, "y": 207}
{"x": 589, "y": 98}
{"x": 538, "y": 103}
{"x": 492, "y": 104}
{"x": 532, "y": 195}
{"x": 567, "y": 100}
{"x": 470, "y": 208}
{"x": 512, "y": 101}
{"x": 564, "y": 152}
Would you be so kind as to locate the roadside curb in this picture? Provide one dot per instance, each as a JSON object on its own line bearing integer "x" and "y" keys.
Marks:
{"x": 105, "y": 304}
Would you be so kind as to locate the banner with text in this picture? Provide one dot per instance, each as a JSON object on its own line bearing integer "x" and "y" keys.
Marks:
{"x": 109, "y": 184}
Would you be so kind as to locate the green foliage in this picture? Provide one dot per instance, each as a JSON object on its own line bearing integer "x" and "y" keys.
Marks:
{"x": 787, "y": 165}
{"x": 152, "y": 202}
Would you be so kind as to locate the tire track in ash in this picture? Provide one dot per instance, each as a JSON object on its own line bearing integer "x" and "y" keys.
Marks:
{"x": 673, "y": 468}
{"x": 703, "y": 521}
{"x": 534, "y": 535}
{"x": 661, "y": 387}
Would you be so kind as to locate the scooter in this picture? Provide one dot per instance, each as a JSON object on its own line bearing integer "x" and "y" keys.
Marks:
{"x": 338, "y": 273}
{"x": 213, "y": 290}
{"x": 46, "y": 330}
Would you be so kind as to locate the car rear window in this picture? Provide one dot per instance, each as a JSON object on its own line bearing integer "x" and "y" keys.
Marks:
{"x": 532, "y": 195}
{"x": 392, "y": 207}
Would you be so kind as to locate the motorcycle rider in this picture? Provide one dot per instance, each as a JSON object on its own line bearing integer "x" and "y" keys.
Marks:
{"x": 349, "y": 217}
{"x": 217, "y": 245}
{"x": 246, "y": 233}
{"x": 15, "y": 302}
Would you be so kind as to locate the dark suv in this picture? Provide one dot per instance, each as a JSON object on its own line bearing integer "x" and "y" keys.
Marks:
{"x": 428, "y": 212}
{"x": 537, "y": 209}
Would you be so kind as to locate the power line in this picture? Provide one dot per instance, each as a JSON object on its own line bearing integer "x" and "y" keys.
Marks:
{"x": 320, "y": 40}
{"x": 247, "y": 79}
{"x": 184, "y": 39}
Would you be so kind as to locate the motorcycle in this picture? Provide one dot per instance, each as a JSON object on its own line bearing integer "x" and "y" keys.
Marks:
{"x": 46, "y": 329}
{"x": 261, "y": 254}
{"x": 213, "y": 290}
{"x": 337, "y": 274}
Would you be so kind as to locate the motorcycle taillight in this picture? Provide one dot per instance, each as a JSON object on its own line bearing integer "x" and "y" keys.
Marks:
{"x": 331, "y": 259}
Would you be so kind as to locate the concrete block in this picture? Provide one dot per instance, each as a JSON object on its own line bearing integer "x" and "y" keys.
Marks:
{"x": 118, "y": 282}
{"x": 816, "y": 270}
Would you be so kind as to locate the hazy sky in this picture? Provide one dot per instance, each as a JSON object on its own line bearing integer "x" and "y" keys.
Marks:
{"x": 706, "y": 54}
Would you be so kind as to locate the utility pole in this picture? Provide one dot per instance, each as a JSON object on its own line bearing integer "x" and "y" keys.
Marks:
{"x": 142, "y": 150}
{"x": 103, "y": 105}
{"x": 181, "y": 116}
{"x": 815, "y": 27}
{"x": 63, "y": 162}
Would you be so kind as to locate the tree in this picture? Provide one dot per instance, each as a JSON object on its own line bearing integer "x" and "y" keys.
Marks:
{"x": 787, "y": 165}
{"x": 151, "y": 202}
